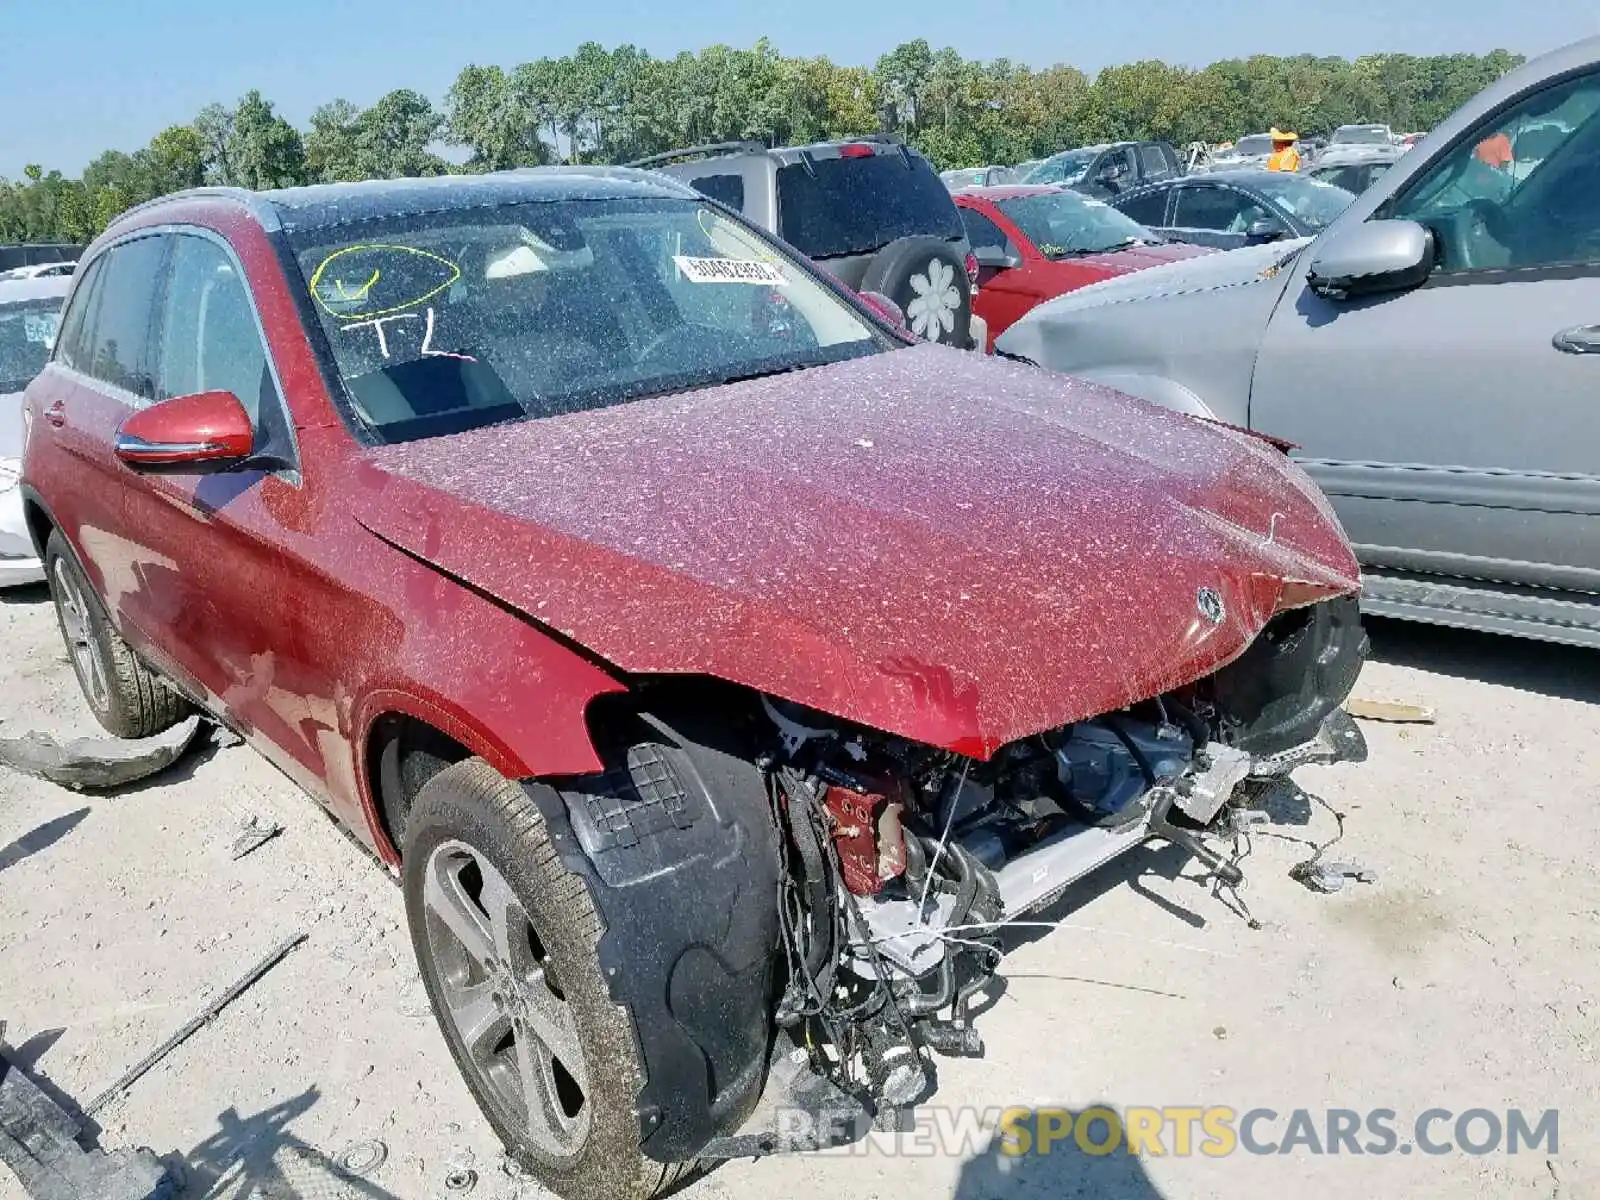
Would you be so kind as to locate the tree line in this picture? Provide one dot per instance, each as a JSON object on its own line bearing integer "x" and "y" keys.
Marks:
{"x": 599, "y": 105}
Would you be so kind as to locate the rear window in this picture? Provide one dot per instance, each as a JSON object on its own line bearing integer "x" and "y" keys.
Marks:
{"x": 727, "y": 189}
{"x": 859, "y": 205}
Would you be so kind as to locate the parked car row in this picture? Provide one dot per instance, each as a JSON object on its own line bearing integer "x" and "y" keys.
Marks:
{"x": 1433, "y": 352}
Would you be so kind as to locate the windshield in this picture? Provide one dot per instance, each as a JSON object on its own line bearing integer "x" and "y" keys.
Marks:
{"x": 970, "y": 177}
{"x": 1360, "y": 135}
{"x": 442, "y": 322}
{"x": 27, "y": 332}
{"x": 1064, "y": 224}
{"x": 860, "y": 205}
{"x": 1249, "y": 147}
{"x": 1063, "y": 168}
{"x": 1311, "y": 202}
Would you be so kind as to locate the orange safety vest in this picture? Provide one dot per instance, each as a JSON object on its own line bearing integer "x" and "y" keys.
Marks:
{"x": 1284, "y": 160}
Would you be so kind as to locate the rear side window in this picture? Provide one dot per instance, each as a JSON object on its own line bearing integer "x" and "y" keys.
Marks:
{"x": 72, "y": 346}
{"x": 1154, "y": 161}
{"x": 1208, "y": 208}
{"x": 727, "y": 189}
{"x": 981, "y": 231}
{"x": 124, "y": 311}
{"x": 859, "y": 205}
{"x": 1149, "y": 208}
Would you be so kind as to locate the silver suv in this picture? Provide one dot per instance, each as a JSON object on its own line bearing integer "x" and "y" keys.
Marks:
{"x": 870, "y": 211}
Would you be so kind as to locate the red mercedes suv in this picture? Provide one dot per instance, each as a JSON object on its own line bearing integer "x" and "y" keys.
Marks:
{"x": 718, "y": 669}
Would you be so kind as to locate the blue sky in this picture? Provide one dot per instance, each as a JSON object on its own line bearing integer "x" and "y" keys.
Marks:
{"x": 80, "y": 76}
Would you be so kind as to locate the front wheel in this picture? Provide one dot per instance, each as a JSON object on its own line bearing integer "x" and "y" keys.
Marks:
{"x": 507, "y": 939}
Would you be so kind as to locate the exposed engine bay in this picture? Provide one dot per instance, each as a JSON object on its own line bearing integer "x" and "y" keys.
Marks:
{"x": 903, "y": 862}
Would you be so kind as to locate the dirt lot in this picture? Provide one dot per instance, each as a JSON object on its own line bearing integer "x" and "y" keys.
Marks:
{"x": 1466, "y": 976}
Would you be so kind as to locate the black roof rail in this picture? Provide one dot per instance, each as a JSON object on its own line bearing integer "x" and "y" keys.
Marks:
{"x": 709, "y": 150}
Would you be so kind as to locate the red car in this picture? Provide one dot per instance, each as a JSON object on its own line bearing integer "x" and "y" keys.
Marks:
{"x": 699, "y": 650}
{"x": 1034, "y": 243}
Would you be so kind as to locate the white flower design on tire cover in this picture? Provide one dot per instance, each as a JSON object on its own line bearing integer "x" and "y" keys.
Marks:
{"x": 932, "y": 311}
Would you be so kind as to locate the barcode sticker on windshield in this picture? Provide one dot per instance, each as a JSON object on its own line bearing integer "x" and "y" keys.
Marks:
{"x": 729, "y": 270}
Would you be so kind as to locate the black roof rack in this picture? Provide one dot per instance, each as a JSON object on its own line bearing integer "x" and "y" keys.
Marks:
{"x": 709, "y": 150}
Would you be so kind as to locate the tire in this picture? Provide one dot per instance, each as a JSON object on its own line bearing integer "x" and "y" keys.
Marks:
{"x": 471, "y": 827}
{"x": 906, "y": 271}
{"x": 126, "y": 697}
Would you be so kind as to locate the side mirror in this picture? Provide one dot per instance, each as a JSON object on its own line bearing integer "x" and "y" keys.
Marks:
{"x": 1376, "y": 256}
{"x": 996, "y": 258}
{"x": 207, "y": 428}
{"x": 1264, "y": 231}
{"x": 885, "y": 308}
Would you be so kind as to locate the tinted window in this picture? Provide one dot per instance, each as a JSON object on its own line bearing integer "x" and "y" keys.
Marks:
{"x": 859, "y": 205}
{"x": 1492, "y": 203}
{"x": 209, "y": 340}
{"x": 1209, "y": 208}
{"x": 1360, "y": 135}
{"x": 1154, "y": 160}
{"x": 73, "y": 348}
{"x": 445, "y": 321}
{"x": 1256, "y": 143}
{"x": 1147, "y": 208}
{"x": 1063, "y": 168}
{"x": 1310, "y": 202}
{"x": 27, "y": 332}
{"x": 123, "y": 316}
{"x": 1344, "y": 177}
{"x": 981, "y": 231}
{"x": 1062, "y": 224}
{"x": 728, "y": 189}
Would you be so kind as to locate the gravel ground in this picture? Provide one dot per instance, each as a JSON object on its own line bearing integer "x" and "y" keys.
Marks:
{"x": 1466, "y": 976}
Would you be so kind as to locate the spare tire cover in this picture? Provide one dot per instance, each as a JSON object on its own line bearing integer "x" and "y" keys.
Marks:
{"x": 927, "y": 278}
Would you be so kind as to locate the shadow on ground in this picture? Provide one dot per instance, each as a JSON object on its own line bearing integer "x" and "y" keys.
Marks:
{"x": 1063, "y": 1171}
{"x": 40, "y": 838}
{"x": 1563, "y": 672}
{"x": 257, "y": 1157}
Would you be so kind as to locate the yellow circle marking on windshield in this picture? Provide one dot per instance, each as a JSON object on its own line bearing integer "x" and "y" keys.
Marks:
{"x": 359, "y": 293}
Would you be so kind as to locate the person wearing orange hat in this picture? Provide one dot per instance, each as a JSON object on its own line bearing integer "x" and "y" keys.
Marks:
{"x": 1284, "y": 156}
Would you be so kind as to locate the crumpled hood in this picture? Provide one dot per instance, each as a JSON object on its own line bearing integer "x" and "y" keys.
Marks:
{"x": 933, "y": 543}
{"x": 1208, "y": 272}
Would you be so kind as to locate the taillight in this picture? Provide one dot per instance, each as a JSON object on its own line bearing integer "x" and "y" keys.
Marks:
{"x": 855, "y": 150}
{"x": 972, "y": 267}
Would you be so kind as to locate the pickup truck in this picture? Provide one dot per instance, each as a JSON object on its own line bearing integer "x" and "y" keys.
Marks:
{"x": 1110, "y": 169}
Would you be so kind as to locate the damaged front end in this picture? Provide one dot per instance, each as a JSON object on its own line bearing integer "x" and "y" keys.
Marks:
{"x": 902, "y": 862}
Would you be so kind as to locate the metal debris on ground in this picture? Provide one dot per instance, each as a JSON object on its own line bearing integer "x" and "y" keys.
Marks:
{"x": 1330, "y": 877}
{"x": 1389, "y": 711}
{"x": 255, "y": 833}
{"x": 97, "y": 764}
{"x": 39, "y": 1142}
{"x": 361, "y": 1158}
{"x": 137, "y": 1071}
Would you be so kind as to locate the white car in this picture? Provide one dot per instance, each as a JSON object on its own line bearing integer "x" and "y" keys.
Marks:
{"x": 30, "y": 311}
{"x": 40, "y": 271}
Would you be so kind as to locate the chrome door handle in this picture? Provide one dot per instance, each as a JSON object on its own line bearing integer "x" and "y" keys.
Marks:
{"x": 1580, "y": 339}
{"x": 56, "y": 414}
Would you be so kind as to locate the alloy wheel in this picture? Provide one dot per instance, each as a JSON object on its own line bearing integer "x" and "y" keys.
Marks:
{"x": 502, "y": 995}
{"x": 82, "y": 645}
